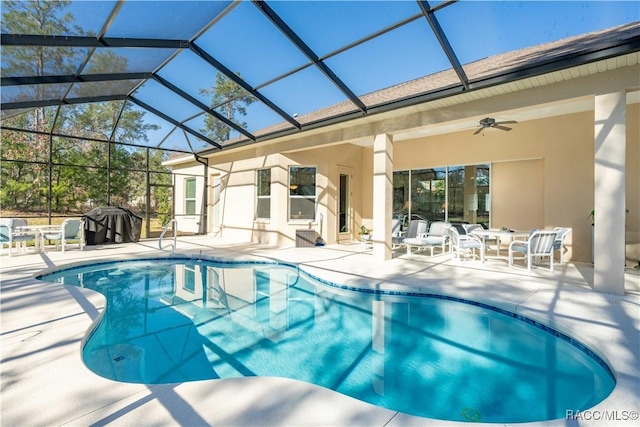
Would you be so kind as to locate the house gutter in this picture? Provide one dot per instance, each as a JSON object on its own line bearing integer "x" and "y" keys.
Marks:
{"x": 202, "y": 226}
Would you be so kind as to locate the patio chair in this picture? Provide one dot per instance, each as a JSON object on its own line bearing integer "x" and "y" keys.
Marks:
{"x": 438, "y": 235}
{"x": 396, "y": 231}
{"x": 415, "y": 227}
{"x": 488, "y": 242}
{"x": 539, "y": 245}
{"x": 70, "y": 229}
{"x": 5, "y": 237}
{"x": 464, "y": 244}
{"x": 558, "y": 243}
{"x": 11, "y": 235}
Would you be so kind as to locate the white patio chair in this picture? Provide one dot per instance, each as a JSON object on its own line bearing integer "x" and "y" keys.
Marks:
{"x": 438, "y": 235}
{"x": 10, "y": 234}
{"x": 415, "y": 227}
{"x": 489, "y": 243}
{"x": 70, "y": 229}
{"x": 464, "y": 244}
{"x": 5, "y": 237}
{"x": 396, "y": 231}
{"x": 558, "y": 243}
{"x": 539, "y": 245}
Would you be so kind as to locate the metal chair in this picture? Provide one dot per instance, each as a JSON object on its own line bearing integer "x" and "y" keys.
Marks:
{"x": 558, "y": 243}
{"x": 438, "y": 235}
{"x": 539, "y": 245}
{"x": 70, "y": 229}
{"x": 464, "y": 244}
{"x": 5, "y": 237}
{"x": 415, "y": 227}
{"x": 10, "y": 234}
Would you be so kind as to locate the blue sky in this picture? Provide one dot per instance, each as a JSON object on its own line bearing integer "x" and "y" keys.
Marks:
{"x": 246, "y": 42}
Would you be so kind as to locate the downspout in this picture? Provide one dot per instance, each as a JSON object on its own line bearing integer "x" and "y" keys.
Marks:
{"x": 202, "y": 228}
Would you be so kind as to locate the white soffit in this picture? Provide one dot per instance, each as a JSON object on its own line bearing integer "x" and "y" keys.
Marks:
{"x": 532, "y": 113}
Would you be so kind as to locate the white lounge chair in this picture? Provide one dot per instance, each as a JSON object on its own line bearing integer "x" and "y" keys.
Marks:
{"x": 438, "y": 235}
{"x": 415, "y": 227}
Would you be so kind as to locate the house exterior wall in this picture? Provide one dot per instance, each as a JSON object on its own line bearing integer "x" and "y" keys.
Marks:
{"x": 238, "y": 193}
{"x": 633, "y": 186}
{"x": 547, "y": 163}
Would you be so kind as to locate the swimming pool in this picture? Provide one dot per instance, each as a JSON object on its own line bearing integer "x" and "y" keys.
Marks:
{"x": 176, "y": 320}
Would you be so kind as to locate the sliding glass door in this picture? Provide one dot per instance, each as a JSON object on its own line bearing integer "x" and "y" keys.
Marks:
{"x": 457, "y": 194}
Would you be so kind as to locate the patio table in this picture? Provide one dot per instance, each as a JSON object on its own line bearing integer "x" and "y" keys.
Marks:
{"x": 500, "y": 234}
{"x": 37, "y": 230}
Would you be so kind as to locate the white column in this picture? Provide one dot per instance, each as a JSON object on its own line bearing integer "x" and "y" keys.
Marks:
{"x": 609, "y": 193}
{"x": 382, "y": 196}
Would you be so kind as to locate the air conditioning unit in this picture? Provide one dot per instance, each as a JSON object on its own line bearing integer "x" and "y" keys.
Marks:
{"x": 305, "y": 238}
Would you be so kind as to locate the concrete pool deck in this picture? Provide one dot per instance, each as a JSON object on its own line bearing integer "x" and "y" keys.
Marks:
{"x": 45, "y": 382}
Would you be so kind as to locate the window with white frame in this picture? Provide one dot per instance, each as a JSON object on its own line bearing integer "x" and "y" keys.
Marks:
{"x": 190, "y": 196}
{"x": 302, "y": 193}
{"x": 263, "y": 194}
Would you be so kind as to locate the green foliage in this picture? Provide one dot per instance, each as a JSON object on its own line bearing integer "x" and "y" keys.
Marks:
{"x": 80, "y": 168}
{"x": 228, "y": 99}
{"x": 72, "y": 174}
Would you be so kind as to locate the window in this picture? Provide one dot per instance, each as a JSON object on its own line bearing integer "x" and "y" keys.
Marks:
{"x": 190, "y": 196}
{"x": 454, "y": 194}
{"x": 469, "y": 197}
{"x": 302, "y": 193}
{"x": 428, "y": 194}
{"x": 263, "y": 202}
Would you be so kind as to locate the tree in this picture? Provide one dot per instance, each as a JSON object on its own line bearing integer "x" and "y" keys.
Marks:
{"x": 37, "y": 17}
{"x": 230, "y": 100}
{"x": 80, "y": 167}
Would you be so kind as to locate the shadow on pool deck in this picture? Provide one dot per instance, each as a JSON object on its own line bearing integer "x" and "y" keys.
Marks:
{"x": 45, "y": 382}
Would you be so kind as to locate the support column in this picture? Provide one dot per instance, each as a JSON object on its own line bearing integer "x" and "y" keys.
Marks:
{"x": 609, "y": 193}
{"x": 382, "y": 196}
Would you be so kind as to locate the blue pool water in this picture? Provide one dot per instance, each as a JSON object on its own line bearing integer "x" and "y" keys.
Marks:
{"x": 182, "y": 320}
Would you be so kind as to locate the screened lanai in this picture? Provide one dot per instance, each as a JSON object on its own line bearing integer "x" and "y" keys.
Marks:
{"x": 96, "y": 95}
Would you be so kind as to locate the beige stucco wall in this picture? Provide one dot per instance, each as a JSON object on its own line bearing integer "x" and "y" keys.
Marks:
{"x": 633, "y": 186}
{"x": 542, "y": 173}
{"x": 542, "y": 176}
{"x": 512, "y": 206}
{"x": 238, "y": 193}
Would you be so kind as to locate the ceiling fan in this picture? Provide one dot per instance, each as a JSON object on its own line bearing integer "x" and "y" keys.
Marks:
{"x": 489, "y": 122}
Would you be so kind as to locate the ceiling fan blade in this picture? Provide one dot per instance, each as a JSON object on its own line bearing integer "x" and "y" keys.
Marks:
{"x": 507, "y": 122}
{"x": 479, "y": 130}
{"x": 502, "y": 128}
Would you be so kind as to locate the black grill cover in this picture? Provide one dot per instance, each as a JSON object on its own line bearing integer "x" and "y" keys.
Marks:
{"x": 111, "y": 225}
